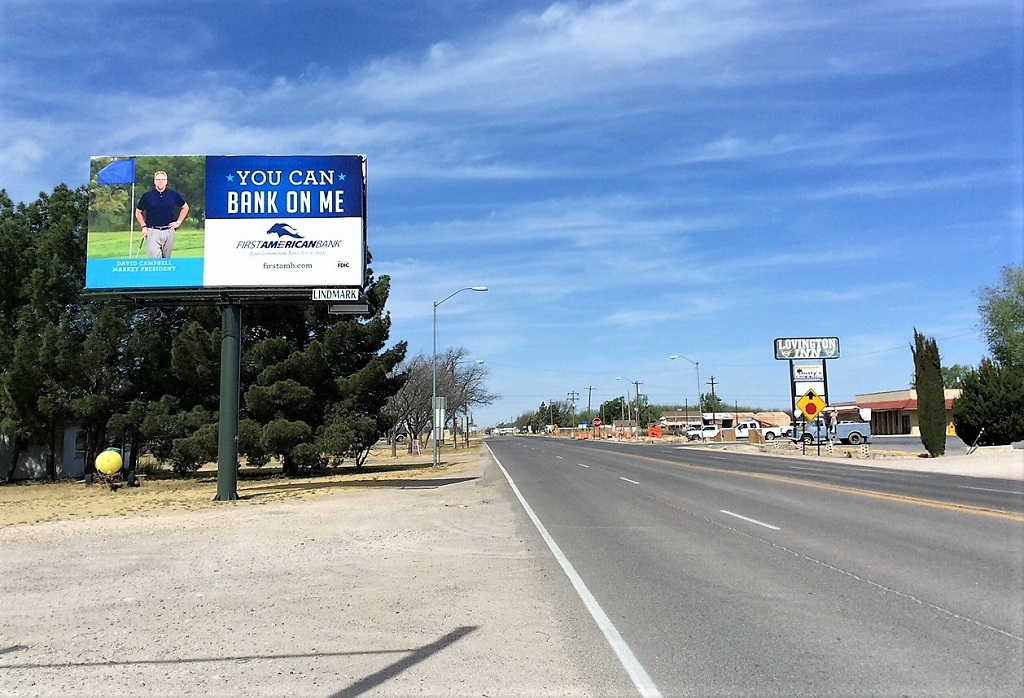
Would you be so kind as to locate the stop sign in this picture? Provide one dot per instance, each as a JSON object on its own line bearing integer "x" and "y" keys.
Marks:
{"x": 597, "y": 421}
{"x": 811, "y": 410}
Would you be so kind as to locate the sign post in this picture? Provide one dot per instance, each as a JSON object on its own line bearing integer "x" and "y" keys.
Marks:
{"x": 801, "y": 349}
{"x": 811, "y": 405}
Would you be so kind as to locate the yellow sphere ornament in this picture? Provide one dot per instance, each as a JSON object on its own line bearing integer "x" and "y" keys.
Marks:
{"x": 109, "y": 462}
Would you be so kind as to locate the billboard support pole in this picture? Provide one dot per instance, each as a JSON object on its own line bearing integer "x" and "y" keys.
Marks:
{"x": 230, "y": 368}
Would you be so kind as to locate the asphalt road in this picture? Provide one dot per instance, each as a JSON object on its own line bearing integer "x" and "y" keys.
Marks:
{"x": 912, "y": 444}
{"x": 720, "y": 573}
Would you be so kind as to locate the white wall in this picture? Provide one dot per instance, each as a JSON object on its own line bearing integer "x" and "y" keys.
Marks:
{"x": 32, "y": 463}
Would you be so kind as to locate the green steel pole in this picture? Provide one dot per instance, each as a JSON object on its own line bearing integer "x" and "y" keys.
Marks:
{"x": 230, "y": 367}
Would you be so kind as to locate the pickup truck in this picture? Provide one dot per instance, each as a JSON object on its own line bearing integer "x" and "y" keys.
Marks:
{"x": 769, "y": 433}
{"x": 853, "y": 433}
{"x": 708, "y": 431}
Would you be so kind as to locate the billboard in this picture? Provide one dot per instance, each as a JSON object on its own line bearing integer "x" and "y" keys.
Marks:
{"x": 158, "y": 223}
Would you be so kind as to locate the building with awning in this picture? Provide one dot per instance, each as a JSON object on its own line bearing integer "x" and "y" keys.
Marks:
{"x": 895, "y": 411}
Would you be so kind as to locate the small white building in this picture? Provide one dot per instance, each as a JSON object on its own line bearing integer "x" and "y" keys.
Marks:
{"x": 31, "y": 463}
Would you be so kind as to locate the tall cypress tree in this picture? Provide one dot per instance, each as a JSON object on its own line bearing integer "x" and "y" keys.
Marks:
{"x": 931, "y": 401}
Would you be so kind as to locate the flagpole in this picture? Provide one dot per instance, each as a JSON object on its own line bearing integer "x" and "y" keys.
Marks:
{"x": 131, "y": 222}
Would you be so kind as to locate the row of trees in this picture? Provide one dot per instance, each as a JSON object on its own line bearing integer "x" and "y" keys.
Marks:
{"x": 990, "y": 409}
{"x": 563, "y": 412}
{"x": 315, "y": 388}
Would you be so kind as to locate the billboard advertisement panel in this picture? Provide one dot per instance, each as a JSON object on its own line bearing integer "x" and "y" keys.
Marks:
{"x": 226, "y": 222}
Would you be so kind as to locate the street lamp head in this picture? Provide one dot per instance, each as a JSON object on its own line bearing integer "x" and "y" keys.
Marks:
{"x": 466, "y": 288}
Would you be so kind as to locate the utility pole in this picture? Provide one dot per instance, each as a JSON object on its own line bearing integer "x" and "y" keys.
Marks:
{"x": 637, "y": 384}
{"x": 590, "y": 417}
{"x": 573, "y": 397}
{"x": 714, "y": 401}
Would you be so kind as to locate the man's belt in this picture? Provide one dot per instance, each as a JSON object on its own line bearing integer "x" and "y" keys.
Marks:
{"x": 159, "y": 227}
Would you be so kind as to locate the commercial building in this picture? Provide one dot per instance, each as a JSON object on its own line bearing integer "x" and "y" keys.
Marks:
{"x": 895, "y": 412}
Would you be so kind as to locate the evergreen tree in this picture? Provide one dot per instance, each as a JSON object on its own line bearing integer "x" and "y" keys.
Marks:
{"x": 316, "y": 386}
{"x": 931, "y": 401}
{"x": 43, "y": 320}
{"x": 990, "y": 410}
{"x": 100, "y": 361}
{"x": 991, "y": 405}
{"x": 149, "y": 400}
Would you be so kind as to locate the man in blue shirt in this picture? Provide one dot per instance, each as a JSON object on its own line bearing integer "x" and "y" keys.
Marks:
{"x": 160, "y": 212}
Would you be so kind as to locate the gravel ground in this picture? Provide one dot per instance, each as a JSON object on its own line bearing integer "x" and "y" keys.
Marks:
{"x": 415, "y": 587}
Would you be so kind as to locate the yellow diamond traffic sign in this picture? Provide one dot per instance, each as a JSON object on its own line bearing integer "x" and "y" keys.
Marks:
{"x": 811, "y": 404}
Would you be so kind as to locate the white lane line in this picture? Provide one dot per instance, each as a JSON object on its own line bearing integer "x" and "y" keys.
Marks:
{"x": 813, "y": 470}
{"x": 641, "y": 679}
{"x": 583, "y": 465}
{"x": 559, "y": 457}
{"x": 628, "y": 480}
{"x": 989, "y": 489}
{"x": 753, "y": 521}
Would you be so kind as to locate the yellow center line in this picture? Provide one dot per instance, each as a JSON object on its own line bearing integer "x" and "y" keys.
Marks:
{"x": 949, "y": 506}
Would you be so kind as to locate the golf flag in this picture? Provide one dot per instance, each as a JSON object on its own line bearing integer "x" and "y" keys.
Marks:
{"x": 117, "y": 172}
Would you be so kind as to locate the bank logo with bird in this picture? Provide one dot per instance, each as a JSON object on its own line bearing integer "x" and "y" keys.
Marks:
{"x": 284, "y": 230}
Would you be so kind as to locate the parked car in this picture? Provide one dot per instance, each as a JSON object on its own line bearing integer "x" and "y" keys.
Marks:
{"x": 705, "y": 432}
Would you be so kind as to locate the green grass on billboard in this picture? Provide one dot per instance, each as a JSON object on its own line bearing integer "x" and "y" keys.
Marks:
{"x": 120, "y": 243}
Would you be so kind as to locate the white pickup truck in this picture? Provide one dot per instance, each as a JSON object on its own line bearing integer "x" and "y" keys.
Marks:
{"x": 707, "y": 431}
{"x": 769, "y": 433}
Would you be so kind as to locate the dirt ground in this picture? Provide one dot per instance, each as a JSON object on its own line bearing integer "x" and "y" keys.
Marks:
{"x": 163, "y": 492}
{"x": 399, "y": 579}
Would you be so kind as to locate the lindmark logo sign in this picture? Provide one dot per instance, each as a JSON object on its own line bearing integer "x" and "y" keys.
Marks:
{"x": 335, "y": 294}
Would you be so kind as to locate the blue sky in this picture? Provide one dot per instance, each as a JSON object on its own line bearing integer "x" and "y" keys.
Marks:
{"x": 632, "y": 180}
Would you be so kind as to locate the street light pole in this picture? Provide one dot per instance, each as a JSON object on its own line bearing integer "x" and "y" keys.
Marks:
{"x": 433, "y": 368}
{"x": 696, "y": 365}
